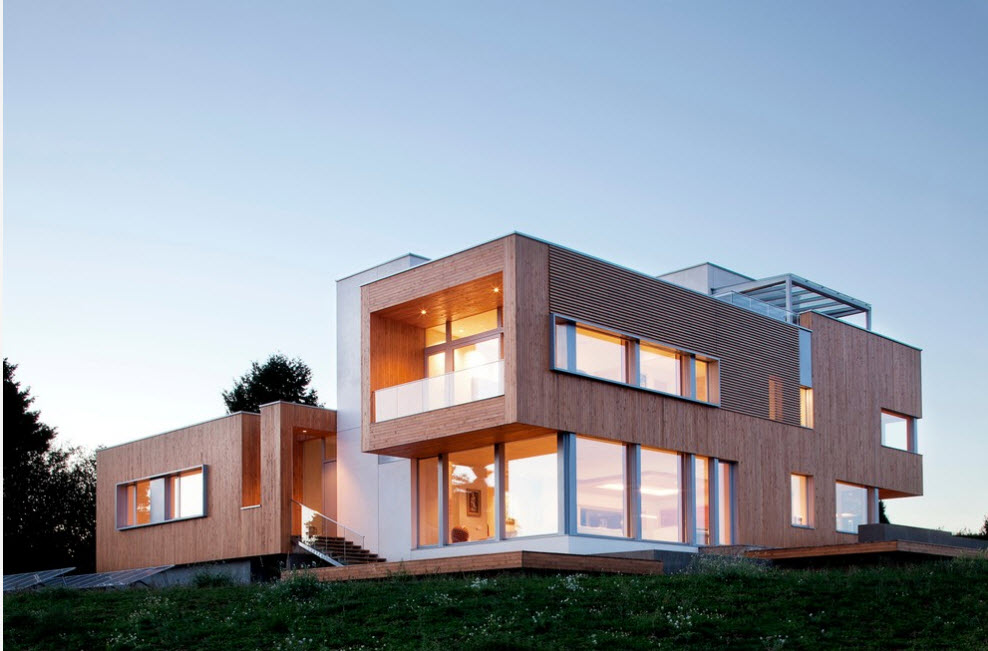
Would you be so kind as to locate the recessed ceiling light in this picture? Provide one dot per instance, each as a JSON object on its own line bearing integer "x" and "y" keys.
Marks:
{"x": 497, "y": 289}
{"x": 423, "y": 311}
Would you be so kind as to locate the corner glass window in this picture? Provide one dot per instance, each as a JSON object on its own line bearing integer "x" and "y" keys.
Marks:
{"x": 895, "y": 430}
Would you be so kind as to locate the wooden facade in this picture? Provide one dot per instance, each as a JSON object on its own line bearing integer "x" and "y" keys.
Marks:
{"x": 856, "y": 374}
{"x": 232, "y": 528}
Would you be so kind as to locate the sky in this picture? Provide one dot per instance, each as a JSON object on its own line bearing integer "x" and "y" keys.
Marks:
{"x": 185, "y": 181}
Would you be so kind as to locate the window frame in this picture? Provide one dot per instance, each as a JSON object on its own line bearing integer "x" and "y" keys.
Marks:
{"x": 451, "y": 344}
{"x": 912, "y": 441}
{"x": 632, "y": 350}
{"x": 808, "y": 505}
{"x": 122, "y": 489}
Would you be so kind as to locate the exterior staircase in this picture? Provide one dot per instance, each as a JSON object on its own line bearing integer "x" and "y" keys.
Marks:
{"x": 338, "y": 551}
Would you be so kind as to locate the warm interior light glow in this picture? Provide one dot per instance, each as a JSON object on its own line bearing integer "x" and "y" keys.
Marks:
{"x": 655, "y": 492}
{"x": 497, "y": 289}
{"x": 423, "y": 311}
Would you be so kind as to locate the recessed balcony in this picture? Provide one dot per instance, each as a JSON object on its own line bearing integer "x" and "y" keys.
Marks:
{"x": 438, "y": 392}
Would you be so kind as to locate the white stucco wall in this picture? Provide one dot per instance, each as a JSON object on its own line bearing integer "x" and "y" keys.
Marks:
{"x": 362, "y": 478}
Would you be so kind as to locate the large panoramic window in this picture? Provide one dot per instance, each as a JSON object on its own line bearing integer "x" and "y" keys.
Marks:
{"x": 601, "y": 487}
{"x": 531, "y": 487}
{"x": 852, "y": 507}
{"x": 896, "y": 430}
{"x": 153, "y": 500}
{"x": 594, "y": 351}
{"x": 471, "y": 495}
{"x": 427, "y": 499}
{"x": 801, "y": 497}
{"x": 621, "y": 490}
{"x": 661, "y": 495}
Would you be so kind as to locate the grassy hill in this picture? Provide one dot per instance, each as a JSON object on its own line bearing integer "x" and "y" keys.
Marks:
{"x": 721, "y": 604}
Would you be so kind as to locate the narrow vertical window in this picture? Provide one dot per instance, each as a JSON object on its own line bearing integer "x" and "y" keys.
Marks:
{"x": 806, "y": 407}
{"x": 774, "y": 397}
{"x": 250, "y": 466}
{"x": 428, "y": 501}
{"x": 471, "y": 495}
{"x": 702, "y": 380}
{"x": 661, "y": 497}
{"x": 725, "y": 503}
{"x": 562, "y": 349}
{"x": 801, "y": 498}
{"x": 701, "y": 496}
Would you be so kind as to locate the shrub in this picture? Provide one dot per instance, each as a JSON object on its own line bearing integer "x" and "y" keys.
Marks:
{"x": 211, "y": 580}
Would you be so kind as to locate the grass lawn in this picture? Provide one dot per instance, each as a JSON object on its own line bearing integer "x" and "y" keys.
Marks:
{"x": 722, "y": 604}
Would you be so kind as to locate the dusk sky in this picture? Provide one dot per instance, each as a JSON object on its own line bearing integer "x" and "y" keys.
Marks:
{"x": 185, "y": 181}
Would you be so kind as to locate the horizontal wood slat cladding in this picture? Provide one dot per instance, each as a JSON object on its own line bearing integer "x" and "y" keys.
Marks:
{"x": 750, "y": 347}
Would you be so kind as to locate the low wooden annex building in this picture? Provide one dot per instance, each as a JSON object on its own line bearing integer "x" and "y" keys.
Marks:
{"x": 520, "y": 396}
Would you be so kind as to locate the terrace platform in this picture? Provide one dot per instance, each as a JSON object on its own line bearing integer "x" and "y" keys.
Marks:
{"x": 861, "y": 553}
{"x": 517, "y": 561}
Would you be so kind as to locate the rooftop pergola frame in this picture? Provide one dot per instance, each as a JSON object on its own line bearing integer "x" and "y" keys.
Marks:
{"x": 797, "y": 295}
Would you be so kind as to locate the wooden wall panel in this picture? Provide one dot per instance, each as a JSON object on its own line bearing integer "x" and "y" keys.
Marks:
{"x": 398, "y": 356}
{"x": 750, "y": 347}
{"x": 856, "y": 374}
{"x": 227, "y": 531}
{"x": 456, "y": 286}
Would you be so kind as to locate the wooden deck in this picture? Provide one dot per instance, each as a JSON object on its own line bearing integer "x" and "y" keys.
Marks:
{"x": 866, "y": 551}
{"x": 491, "y": 563}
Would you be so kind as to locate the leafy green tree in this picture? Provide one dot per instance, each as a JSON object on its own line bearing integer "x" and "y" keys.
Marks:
{"x": 49, "y": 493}
{"x": 279, "y": 378}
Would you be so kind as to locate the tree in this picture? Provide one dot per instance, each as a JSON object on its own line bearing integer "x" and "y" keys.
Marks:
{"x": 49, "y": 494}
{"x": 279, "y": 378}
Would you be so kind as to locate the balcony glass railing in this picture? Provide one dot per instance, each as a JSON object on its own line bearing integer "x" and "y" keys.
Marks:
{"x": 757, "y": 306}
{"x": 456, "y": 388}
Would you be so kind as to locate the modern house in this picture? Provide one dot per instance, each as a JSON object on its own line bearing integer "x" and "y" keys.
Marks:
{"x": 519, "y": 395}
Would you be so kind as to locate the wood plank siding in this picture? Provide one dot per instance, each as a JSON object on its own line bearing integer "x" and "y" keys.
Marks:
{"x": 484, "y": 563}
{"x": 228, "y": 530}
{"x": 751, "y": 348}
{"x": 856, "y": 373}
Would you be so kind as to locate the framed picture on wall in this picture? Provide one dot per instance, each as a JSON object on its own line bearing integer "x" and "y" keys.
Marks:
{"x": 473, "y": 502}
